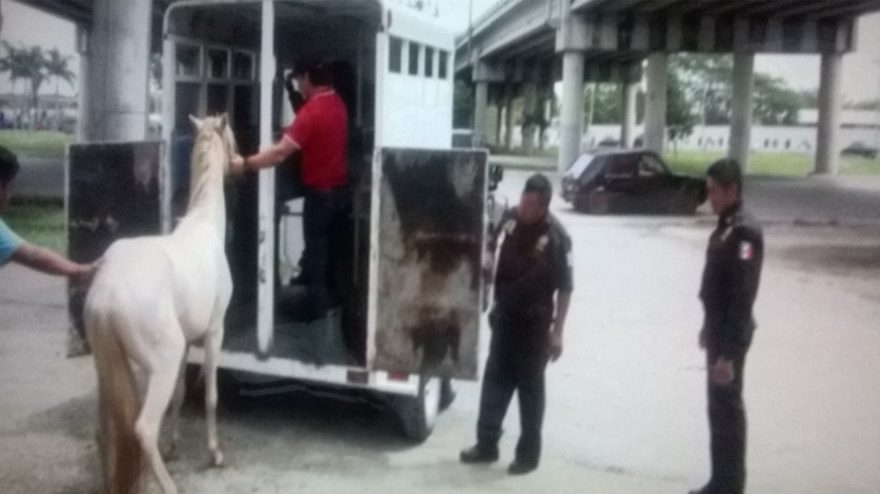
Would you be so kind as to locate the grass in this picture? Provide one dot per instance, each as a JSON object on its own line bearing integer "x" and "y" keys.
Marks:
{"x": 40, "y": 222}
{"x": 42, "y": 143}
{"x": 768, "y": 163}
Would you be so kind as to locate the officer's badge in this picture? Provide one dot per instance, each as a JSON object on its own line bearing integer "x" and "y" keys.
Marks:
{"x": 746, "y": 251}
{"x": 542, "y": 243}
{"x": 726, "y": 233}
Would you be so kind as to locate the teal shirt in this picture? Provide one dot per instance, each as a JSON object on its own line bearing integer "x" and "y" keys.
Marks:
{"x": 9, "y": 243}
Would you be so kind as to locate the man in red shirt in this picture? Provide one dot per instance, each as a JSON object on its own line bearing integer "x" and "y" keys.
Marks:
{"x": 320, "y": 133}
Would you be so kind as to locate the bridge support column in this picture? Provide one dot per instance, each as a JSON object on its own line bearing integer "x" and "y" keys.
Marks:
{"x": 828, "y": 127}
{"x": 117, "y": 72}
{"x": 630, "y": 90}
{"x": 655, "y": 103}
{"x": 741, "y": 108}
{"x": 571, "y": 108}
{"x": 508, "y": 117}
{"x": 530, "y": 98}
{"x": 481, "y": 111}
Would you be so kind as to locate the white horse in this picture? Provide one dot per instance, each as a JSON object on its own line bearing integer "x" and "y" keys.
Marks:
{"x": 151, "y": 298}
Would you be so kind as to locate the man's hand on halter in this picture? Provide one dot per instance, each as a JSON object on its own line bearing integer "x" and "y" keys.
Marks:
{"x": 236, "y": 165}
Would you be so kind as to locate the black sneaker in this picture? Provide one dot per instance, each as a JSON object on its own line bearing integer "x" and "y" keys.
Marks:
{"x": 519, "y": 467}
{"x": 479, "y": 454}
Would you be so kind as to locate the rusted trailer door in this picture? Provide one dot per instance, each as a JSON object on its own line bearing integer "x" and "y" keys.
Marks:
{"x": 113, "y": 192}
{"x": 428, "y": 243}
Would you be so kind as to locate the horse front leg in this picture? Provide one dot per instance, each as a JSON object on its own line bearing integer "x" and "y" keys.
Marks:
{"x": 176, "y": 405}
{"x": 213, "y": 343}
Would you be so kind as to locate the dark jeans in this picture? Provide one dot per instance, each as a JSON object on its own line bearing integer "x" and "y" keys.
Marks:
{"x": 505, "y": 373}
{"x": 727, "y": 428}
{"x": 324, "y": 213}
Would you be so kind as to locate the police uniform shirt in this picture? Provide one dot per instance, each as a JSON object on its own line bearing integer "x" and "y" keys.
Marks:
{"x": 730, "y": 282}
{"x": 534, "y": 263}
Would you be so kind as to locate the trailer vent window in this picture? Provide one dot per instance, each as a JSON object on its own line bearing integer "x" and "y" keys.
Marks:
{"x": 414, "y": 49}
{"x": 242, "y": 66}
{"x": 444, "y": 62}
{"x": 395, "y": 54}
{"x": 429, "y": 61}
{"x": 189, "y": 61}
{"x": 218, "y": 64}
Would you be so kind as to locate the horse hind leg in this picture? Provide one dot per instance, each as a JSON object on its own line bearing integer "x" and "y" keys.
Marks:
{"x": 160, "y": 387}
{"x": 213, "y": 343}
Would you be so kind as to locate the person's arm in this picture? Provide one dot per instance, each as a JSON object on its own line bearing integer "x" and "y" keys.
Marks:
{"x": 565, "y": 286}
{"x": 49, "y": 262}
{"x": 266, "y": 158}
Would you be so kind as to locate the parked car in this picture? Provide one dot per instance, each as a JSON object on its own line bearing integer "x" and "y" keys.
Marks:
{"x": 629, "y": 181}
{"x": 859, "y": 148}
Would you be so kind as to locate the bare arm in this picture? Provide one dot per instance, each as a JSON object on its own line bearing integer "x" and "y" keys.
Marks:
{"x": 46, "y": 261}
{"x": 563, "y": 300}
{"x": 268, "y": 157}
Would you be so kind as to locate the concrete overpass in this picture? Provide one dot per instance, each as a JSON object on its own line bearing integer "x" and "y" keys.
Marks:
{"x": 520, "y": 47}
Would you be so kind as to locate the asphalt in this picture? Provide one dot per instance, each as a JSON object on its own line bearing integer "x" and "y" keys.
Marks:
{"x": 626, "y": 405}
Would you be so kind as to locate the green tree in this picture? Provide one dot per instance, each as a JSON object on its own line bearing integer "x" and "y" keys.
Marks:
{"x": 57, "y": 68}
{"x": 14, "y": 63}
{"x": 774, "y": 102}
{"x": 705, "y": 81}
{"x": 680, "y": 119}
{"x": 606, "y": 103}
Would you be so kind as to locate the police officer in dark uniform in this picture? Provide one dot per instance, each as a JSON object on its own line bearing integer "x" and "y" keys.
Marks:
{"x": 533, "y": 286}
{"x": 730, "y": 284}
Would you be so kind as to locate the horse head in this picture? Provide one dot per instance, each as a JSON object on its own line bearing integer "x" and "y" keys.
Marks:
{"x": 219, "y": 125}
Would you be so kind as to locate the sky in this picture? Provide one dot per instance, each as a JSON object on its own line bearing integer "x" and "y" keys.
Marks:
{"x": 861, "y": 69}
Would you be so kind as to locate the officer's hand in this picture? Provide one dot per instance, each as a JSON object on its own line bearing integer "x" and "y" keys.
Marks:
{"x": 555, "y": 345}
{"x": 722, "y": 372}
{"x": 703, "y": 339}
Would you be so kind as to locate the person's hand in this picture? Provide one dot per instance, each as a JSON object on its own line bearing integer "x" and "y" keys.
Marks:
{"x": 702, "y": 341}
{"x": 555, "y": 344}
{"x": 83, "y": 273}
{"x": 722, "y": 372}
{"x": 236, "y": 164}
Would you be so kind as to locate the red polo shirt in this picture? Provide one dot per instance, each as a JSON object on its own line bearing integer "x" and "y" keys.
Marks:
{"x": 320, "y": 129}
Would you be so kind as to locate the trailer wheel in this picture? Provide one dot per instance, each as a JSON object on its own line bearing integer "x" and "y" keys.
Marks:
{"x": 418, "y": 414}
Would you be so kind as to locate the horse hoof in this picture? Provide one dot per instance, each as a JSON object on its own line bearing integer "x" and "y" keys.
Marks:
{"x": 217, "y": 460}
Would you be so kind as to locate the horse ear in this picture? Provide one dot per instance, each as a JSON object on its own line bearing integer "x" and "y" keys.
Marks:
{"x": 195, "y": 121}
{"x": 224, "y": 121}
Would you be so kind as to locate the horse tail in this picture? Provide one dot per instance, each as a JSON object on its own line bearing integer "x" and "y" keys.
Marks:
{"x": 120, "y": 450}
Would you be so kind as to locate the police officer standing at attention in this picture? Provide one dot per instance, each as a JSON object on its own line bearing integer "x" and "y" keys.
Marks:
{"x": 730, "y": 284}
{"x": 533, "y": 286}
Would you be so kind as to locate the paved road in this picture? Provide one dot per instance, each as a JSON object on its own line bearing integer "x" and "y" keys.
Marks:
{"x": 40, "y": 177}
{"x": 626, "y": 407}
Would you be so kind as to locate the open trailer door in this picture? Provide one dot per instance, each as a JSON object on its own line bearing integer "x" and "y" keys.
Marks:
{"x": 426, "y": 257}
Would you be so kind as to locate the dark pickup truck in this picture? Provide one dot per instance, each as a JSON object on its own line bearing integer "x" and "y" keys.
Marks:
{"x": 629, "y": 181}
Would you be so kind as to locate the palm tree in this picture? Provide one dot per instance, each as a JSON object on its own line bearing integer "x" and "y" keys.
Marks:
{"x": 35, "y": 69}
{"x": 56, "y": 68}
{"x": 14, "y": 63}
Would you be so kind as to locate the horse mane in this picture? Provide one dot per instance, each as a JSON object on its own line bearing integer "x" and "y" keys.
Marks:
{"x": 201, "y": 153}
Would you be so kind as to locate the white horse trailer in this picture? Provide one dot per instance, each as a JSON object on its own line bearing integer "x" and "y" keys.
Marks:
{"x": 408, "y": 264}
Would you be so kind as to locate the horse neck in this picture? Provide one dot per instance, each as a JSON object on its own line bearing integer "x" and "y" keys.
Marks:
{"x": 206, "y": 198}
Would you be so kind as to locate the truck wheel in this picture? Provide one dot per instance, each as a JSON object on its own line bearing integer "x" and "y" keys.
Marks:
{"x": 418, "y": 414}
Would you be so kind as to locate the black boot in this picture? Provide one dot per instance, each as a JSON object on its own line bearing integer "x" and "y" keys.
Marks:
{"x": 479, "y": 454}
{"x": 522, "y": 467}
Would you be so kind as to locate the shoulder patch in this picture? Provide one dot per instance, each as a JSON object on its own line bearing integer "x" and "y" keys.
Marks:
{"x": 746, "y": 251}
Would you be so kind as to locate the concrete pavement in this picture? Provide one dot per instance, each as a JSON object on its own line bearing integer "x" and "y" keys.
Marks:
{"x": 626, "y": 406}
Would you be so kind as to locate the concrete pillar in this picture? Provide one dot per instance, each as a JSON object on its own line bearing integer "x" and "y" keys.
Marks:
{"x": 655, "y": 103}
{"x": 481, "y": 111}
{"x": 627, "y": 129}
{"x": 530, "y": 98}
{"x": 828, "y": 126}
{"x": 500, "y": 101}
{"x": 508, "y": 117}
{"x": 117, "y": 72}
{"x": 82, "y": 117}
{"x": 741, "y": 108}
{"x": 571, "y": 108}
